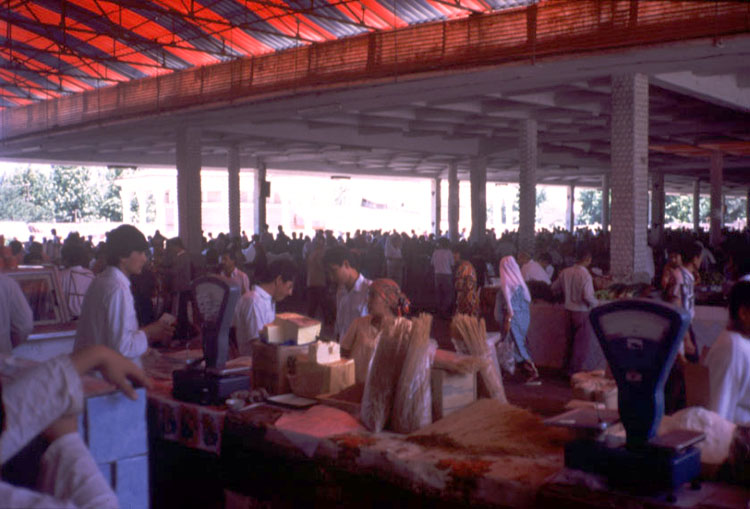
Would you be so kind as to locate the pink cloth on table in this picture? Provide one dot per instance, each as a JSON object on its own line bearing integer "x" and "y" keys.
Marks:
{"x": 319, "y": 421}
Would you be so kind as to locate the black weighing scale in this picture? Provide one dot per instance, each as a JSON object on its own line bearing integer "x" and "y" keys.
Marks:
{"x": 640, "y": 339}
{"x": 208, "y": 382}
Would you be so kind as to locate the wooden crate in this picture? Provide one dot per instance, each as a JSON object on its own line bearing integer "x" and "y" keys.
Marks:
{"x": 451, "y": 391}
{"x": 270, "y": 367}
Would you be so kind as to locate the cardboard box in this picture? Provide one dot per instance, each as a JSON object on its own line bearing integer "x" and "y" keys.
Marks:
{"x": 451, "y": 391}
{"x": 323, "y": 352}
{"x": 310, "y": 379}
{"x": 294, "y": 327}
{"x": 270, "y": 365}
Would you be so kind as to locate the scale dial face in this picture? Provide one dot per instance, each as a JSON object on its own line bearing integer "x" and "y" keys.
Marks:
{"x": 631, "y": 324}
{"x": 210, "y": 297}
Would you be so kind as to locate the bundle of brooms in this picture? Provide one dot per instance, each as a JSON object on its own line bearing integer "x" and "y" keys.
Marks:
{"x": 397, "y": 390}
{"x": 473, "y": 333}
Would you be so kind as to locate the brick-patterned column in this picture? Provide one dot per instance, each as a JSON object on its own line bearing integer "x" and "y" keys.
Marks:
{"x": 233, "y": 168}
{"x": 717, "y": 198}
{"x": 478, "y": 178}
{"x": 189, "y": 188}
{"x": 453, "y": 202}
{"x": 658, "y": 198}
{"x": 570, "y": 211}
{"x": 527, "y": 150}
{"x": 747, "y": 209}
{"x": 436, "y": 206}
{"x": 629, "y": 176}
{"x": 605, "y": 202}
{"x": 260, "y": 196}
{"x": 696, "y": 205}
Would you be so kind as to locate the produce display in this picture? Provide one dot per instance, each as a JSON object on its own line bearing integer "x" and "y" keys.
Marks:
{"x": 622, "y": 291}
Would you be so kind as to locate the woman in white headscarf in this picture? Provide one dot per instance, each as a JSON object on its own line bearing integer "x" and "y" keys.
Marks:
{"x": 512, "y": 311}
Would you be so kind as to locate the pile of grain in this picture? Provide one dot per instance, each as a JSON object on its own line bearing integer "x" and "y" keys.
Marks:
{"x": 490, "y": 427}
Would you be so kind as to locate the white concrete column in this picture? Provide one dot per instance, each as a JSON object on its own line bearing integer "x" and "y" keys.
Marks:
{"x": 570, "y": 211}
{"x": 747, "y": 209}
{"x": 478, "y": 177}
{"x": 629, "y": 176}
{"x": 658, "y": 198}
{"x": 528, "y": 154}
{"x": 696, "y": 205}
{"x": 453, "y": 202}
{"x": 436, "y": 205}
{"x": 717, "y": 197}
{"x": 189, "y": 188}
{"x": 233, "y": 182}
{"x": 605, "y": 202}
{"x": 261, "y": 196}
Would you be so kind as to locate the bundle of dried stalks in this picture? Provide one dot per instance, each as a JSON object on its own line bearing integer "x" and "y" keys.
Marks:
{"x": 412, "y": 405}
{"x": 457, "y": 363}
{"x": 490, "y": 427}
{"x": 473, "y": 333}
{"x": 382, "y": 378}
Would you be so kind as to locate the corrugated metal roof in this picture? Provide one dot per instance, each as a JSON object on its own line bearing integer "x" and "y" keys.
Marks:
{"x": 70, "y": 45}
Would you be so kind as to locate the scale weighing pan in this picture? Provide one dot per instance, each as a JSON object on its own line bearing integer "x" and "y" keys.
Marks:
{"x": 585, "y": 419}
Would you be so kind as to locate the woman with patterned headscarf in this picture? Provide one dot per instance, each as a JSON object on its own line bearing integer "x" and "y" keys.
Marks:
{"x": 512, "y": 311}
{"x": 385, "y": 303}
{"x": 465, "y": 280}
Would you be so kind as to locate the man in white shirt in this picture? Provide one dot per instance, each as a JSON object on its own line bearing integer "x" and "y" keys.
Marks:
{"x": 728, "y": 361}
{"x": 16, "y": 317}
{"x": 75, "y": 279}
{"x": 442, "y": 262}
{"x": 257, "y": 307}
{"x": 531, "y": 270}
{"x": 108, "y": 312}
{"x": 230, "y": 271}
{"x": 583, "y": 352}
{"x": 353, "y": 288}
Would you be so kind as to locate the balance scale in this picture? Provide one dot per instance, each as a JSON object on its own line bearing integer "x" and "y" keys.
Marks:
{"x": 640, "y": 339}
{"x": 209, "y": 383}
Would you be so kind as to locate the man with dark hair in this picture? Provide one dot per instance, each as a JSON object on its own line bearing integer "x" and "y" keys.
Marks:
{"x": 680, "y": 291}
{"x": 233, "y": 273}
{"x": 76, "y": 278}
{"x": 258, "y": 306}
{"x": 108, "y": 313}
{"x": 728, "y": 361}
{"x": 577, "y": 287}
{"x": 442, "y": 262}
{"x": 353, "y": 287}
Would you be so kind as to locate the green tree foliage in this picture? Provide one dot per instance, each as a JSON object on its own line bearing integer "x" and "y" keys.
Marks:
{"x": 150, "y": 209}
{"x": 735, "y": 209}
{"x": 135, "y": 208}
{"x": 678, "y": 208}
{"x": 61, "y": 193}
{"x": 591, "y": 207}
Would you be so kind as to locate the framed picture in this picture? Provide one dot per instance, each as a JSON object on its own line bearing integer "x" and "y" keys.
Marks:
{"x": 41, "y": 286}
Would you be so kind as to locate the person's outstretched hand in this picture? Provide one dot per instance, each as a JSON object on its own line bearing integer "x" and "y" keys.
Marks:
{"x": 115, "y": 368}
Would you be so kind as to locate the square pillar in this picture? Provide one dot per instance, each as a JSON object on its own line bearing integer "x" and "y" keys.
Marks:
{"x": 629, "y": 176}
{"x": 189, "y": 188}
{"x": 478, "y": 178}
{"x": 696, "y": 205}
{"x": 605, "y": 203}
{"x": 453, "y": 202}
{"x": 233, "y": 168}
{"x": 436, "y": 206}
{"x": 717, "y": 198}
{"x": 570, "y": 211}
{"x": 747, "y": 210}
{"x": 527, "y": 150}
{"x": 261, "y": 195}
{"x": 658, "y": 198}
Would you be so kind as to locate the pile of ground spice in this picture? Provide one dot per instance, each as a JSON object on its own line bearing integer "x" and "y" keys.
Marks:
{"x": 490, "y": 427}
